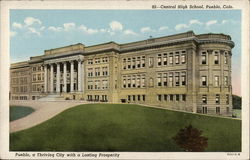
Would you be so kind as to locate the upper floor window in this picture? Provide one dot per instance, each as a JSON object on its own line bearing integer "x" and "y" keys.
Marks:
{"x": 105, "y": 59}
{"x": 97, "y": 60}
{"x": 171, "y": 79}
{"x": 133, "y": 62}
{"x": 216, "y": 81}
{"x": 177, "y": 79}
{"x": 217, "y": 99}
{"x": 227, "y": 99}
{"x": 124, "y": 63}
{"x": 177, "y": 58}
{"x": 216, "y": 58}
{"x": 90, "y": 61}
{"x": 171, "y": 58}
{"x": 165, "y": 80}
{"x": 165, "y": 59}
{"x": 151, "y": 62}
{"x": 226, "y": 80}
{"x": 34, "y": 68}
{"x": 183, "y": 78}
{"x": 183, "y": 59}
{"x": 204, "y": 80}
{"x": 159, "y": 61}
{"x": 203, "y": 58}
{"x": 204, "y": 99}
{"x": 143, "y": 81}
{"x": 151, "y": 82}
{"x": 138, "y": 62}
{"x": 129, "y": 63}
{"x": 159, "y": 79}
{"x": 143, "y": 61}
{"x": 226, "y": 58}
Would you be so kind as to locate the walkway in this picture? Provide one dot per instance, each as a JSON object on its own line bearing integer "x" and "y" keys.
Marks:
{"x": 43, "y": 112}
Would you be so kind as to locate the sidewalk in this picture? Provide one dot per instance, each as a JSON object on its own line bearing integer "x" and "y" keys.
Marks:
{"x": 43, "y": 112}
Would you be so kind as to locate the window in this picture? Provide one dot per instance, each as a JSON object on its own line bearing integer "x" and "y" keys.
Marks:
{"x": 143, "y": 81}
{"x": 133, "y": 81}
{"x": 171, "y": 59}
{"x": 138, "y": 81}
{"x": 34, "y": 77}
{"x": 203, "y": 80}
{"x": 217, "y": 99}
{"x": 143, "y": 61}
{"x": 183, "y": 59}
{"x": 159, "y": 60}
{"x": 226, "y": 59}
{"x": 204, "y": 99}
{"x": 183, "y": 78}
{"x": 104, "y": 71}
{"x": 143, "y": 97}
{"x": 159, "y": 97}
{"x": 97, "y": 71}
{"x": 90, "y": 72}
{"x": 129, "y": 98}
{"x": 104, "y": 84}
{"x": 159, "y": 79}
{"x": 139, "y": 97}
{"x": 226, "y": 80}
{"x": 129, "y": 63}
{"x": 217, "y": 110}
{"x": 90, "y": 85}
{"x": 177, "y": 97}
{"x": 105, "y": 59}
{"x": 133, "y": 97}
{"x": 39, "y": 77}
{"x": 165, "y": 79}
{"x": 171, "y": 97}
{"x": 204, "y": 110}
{"x": 177, "y": 79}
{"x": 204, "y": 58}
{"x": 90, "y": 61}
{"x": 171, "y": 79}
{"x": 138, "y": 62}
{"x": 151, "y": 82}
{"x": 216, "y": 58}
{"x": 165, "y": 60}
{"x": 227, "y": 99}
{"x": 124, "y": 82}
{"x": 133, "y": 62}
{"x": 34, "y": 68}
{"x": 183, "y": 97}
{"x": 151, "y": 62}
{"x": 165, "y": 97}
{"x": 177, "y": 58}
{"x": 97, "y": 60}
{"x": 129, "y": 82}
{"x": 216, "y": 81}
{"x": 124, "y": 64}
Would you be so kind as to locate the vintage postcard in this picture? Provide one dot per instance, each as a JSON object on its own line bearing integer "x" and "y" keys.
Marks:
{"x": 124, "y": 80}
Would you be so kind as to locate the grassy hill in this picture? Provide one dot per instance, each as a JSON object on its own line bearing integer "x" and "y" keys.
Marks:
{"x": 124, "y": 127}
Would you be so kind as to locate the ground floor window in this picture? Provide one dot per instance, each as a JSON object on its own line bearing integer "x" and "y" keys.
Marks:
{"x": 217, "y": 110}
{"x": 204, "y": 110}
{"x": 136, "y": 98}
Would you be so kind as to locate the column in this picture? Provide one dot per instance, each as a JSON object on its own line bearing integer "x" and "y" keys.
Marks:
{"x": 57, "y": 77}
{"x": 79, "y": 76}
{"x": 51, "y": 78}
{"x": 65, "y": 77}
{"x": 71, "y": 76}
{"x": 45, "y": 78}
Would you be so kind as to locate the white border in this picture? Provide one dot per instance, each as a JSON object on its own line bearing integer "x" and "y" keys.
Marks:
{"x": 4, "y": 71}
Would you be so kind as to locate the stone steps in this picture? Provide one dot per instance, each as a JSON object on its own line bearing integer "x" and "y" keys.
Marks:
{"x": 52, "y": 97}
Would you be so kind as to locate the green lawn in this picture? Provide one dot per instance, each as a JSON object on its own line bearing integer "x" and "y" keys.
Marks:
{"x": 17, "y": 112}
{"x": 124, "y": 127}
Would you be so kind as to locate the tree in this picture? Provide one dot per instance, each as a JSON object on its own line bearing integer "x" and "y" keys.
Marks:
{"x": 236, "y": 102}
{"x": 190, "y": 139}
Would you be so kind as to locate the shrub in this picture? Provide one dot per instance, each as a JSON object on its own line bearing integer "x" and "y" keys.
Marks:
{"x": 190, "y": 139}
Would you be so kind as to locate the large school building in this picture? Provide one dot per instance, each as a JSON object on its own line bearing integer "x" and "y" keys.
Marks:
{"x": 185, "y": 71}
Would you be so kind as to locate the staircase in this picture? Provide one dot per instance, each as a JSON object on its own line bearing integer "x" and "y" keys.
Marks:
{"x": 52, "y": 97}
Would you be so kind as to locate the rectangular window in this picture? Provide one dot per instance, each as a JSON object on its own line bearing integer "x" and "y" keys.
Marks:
{"x": 204, "y": 80}
{"x": 165, "y": 59}
{"x": 204, "y": 99}
{"x": 183, "y": 59}
{"x": 204, "y": 58}
{"x": 226, "y": 59}
{"x": 143, "y": 81}
{"x": 227, "y": 99}
{"x": 124, "y": 82}
{"x": 129, "y": 98}
{"x": 139, "y": 97}
{"x": 97, "y": 60}
{"x": 133, "y": 97}
{"x": 177, "y": 97}
{"x": 216, "y": 58}
{"x": 183, "y": 97}
{"x": 216, "y": 81}
{"x": 217, "y": 99}
{"x": 151, "y": 62}
{"x": 159, "y": 97}
{"x": 138, "y": 81}
{"x": 171, "y": 79}
{"x": 124, "y": 64}
{"x": 133, "y": 62}
{"x": 171, "y": 97}
{"x": 226, "y": 80}
{"x": 159, "y": 79}
{"x": 165, "y": 97}
{"x": 183, "y": 78}
{"x": 217, "y": 110}
{"x": 129, "y": 82}
{"x": 138, "y": 62}
{"x": 133, "y": 81}
{"x": 177, "y": 59}
{"x": 171, "y": 59}
{"x": 143, "y": 97}
{"x": 177, "y": 79}
{"x": 90, "y": 61}
{"x": 204, "y": 110}
{"x": 129, "y": 63}
{"x": 165, "y": 79}
{"x": 159, "y": 60}
{"x": 104, "y": 71}
{"x": 143, "y": 61}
